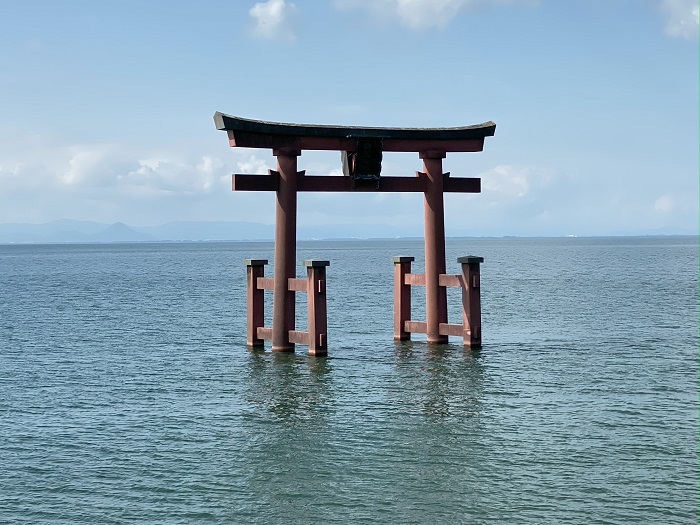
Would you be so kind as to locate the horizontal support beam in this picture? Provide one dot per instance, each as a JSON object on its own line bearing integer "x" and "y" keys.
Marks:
{"x": 416, "y": 327}
{"x": 462, "y": 185}
{"x": 421, "y": 327}
{"x": 297, "y": 285}
{"x": 298, "y": 337}
{"x": 249, "y": 182}
{"x": 265, "y": 283}
{"x": 335, "y": 183}
{"x": 456, "y": 146}
{"x": 264, "y": 333}
{"x": 449, "y": 280}
{"x": 294, "y": 284}
{"x": 295, "y": 336}
{"x": 246, "y": 139}
{"x": 417, "y": 279}
{"x": 332, "y": 183}
{"x": 451, "y": 329}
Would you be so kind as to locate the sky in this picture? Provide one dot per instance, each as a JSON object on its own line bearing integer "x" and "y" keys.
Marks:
{"x": 106, "y": 108}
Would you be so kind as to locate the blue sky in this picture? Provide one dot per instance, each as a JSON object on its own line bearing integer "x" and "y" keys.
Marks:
{"x": 106, "y": 108}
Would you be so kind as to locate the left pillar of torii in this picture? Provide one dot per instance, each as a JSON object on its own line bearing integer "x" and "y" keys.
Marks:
{"x": 284, "y": 284}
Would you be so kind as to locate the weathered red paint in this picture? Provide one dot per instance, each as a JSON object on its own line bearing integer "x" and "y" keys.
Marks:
{"x": 415, "y": 279}
{"x": 330, "y": 183}
{"x": 314, "y": 286}
{"x": 418, "y": 327}
{"x": 316, "y": 301}
{"x": 266, "y": 283}
{"x": 283, "y": 307}
{"x": 255, "y": 300}
{"x": 451, "y": 329}
{"x": 471, "y": 300}
{"x": 265, "y": 333}
{"x": 402, "y": 297}
{"x": 468, "y": 280}
{"x": 435, "y": 295}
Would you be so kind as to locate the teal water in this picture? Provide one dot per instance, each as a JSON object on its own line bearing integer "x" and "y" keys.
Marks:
{"x": 127, "y": 394}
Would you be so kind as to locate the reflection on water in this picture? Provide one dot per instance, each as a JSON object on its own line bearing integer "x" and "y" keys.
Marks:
{"x": 447, "y": 379}
{"x": 292, "y": 387}
{"x": 572, "y": 412}
{"x": 441, "y": 381}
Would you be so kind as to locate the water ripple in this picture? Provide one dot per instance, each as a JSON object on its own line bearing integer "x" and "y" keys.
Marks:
{"x": 127, "y": 395}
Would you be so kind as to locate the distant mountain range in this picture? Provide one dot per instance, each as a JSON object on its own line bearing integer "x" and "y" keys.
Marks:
{"x": 63, "y": 231}
{"x": 86, "y": 231}
{"x": 69, "y": 231}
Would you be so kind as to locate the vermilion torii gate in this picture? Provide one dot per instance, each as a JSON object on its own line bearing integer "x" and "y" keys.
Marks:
{"x": 361, "y": 152}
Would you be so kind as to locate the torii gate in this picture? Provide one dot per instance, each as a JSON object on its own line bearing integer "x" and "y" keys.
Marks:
{"x": 361, "y": 152}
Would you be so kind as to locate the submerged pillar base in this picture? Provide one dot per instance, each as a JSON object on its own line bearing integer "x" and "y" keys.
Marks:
{"x": 471, "y": 300}
{"x": 255, "y": 301}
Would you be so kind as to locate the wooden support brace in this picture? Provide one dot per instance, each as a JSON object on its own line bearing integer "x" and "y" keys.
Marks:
{"x": 264, "y": 333}
{"x": 471, "y": 300}
{"x": 265, "y": 283}
{"x": 299, "y": 337}
{"x": 417, "y": 279}
{"x": 255, "y": 301}
{"x": 419, "y": 327}
{"x": 450, "y": 280}
{"x": 451, "y": 329}
{"x": 297, "y": 285}
{"x": 315, "y": 288}
{"x": 402, "y": 297}
{"x": 251, "y": 182}
{"x": 332, "y": 183}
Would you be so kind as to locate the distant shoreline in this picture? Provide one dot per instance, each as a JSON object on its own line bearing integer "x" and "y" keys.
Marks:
{"x": 352, "y": 239}
{"x": 89, "y": 232}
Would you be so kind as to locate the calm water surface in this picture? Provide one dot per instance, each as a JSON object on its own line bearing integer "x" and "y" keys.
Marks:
{"x": 127, "y": 394}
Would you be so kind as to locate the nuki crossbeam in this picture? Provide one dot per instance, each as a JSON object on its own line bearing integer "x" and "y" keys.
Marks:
{"x": 361, "y": 150}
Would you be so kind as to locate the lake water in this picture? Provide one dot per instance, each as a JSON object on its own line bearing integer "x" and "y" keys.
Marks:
{"x": 127, "y": 394}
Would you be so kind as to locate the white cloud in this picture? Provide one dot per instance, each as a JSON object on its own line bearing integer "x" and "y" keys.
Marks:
{"x": 507, "y": 181}
{"x": 210, "y": 165}
{"x": 41, "y": 181}
{"x": 273, "y": 19}
{"x": 664, "y": 204}
{"x": 422, "y": 14}
{"x": 93, "y": 165}
{"x": 681, "y": 18}
{"x": 253, "y": 165}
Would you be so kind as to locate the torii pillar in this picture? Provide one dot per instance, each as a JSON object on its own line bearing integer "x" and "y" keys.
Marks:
{"x": 283, "y": 309}
{"x": 434, "y": 224}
